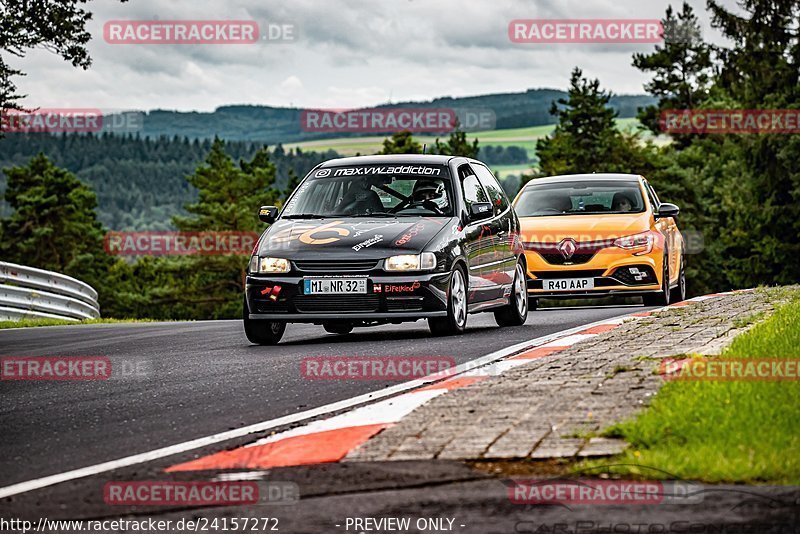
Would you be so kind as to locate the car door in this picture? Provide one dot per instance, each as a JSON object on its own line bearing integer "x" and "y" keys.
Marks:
{"x": 667, "y": 227}
{"x": 502, "y": 223}
{"x": 479, "y": 239}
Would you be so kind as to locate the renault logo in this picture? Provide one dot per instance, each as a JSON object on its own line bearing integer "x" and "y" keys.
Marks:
{"x": 567, "y": 248}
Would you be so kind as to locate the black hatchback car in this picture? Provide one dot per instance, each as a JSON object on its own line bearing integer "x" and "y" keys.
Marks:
{"x": 385, "y": 239}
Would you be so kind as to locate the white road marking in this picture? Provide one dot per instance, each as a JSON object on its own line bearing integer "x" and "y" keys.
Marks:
{"x": 384, "y": 412}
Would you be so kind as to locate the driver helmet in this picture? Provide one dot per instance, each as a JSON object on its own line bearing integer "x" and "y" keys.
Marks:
{"x": 427, "y": 190}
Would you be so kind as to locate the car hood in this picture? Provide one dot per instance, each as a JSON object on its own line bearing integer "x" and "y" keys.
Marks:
{"x": 349, "y": 238}
{"x": 582, "y": 227}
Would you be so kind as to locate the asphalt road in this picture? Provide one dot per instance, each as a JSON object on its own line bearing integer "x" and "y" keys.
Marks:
{"x": 196, "y": 379}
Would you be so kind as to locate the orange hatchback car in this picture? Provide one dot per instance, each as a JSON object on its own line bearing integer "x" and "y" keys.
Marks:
{"x": 590, "y": 235}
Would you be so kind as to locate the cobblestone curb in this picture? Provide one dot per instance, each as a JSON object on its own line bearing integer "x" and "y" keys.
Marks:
{"x": 545, "y": 408}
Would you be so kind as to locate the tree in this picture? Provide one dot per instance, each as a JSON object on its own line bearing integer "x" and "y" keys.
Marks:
{"x": 457, "y": 145}
{"x": 586, "y": 139}
{"x": 681, "y": 68}
{"x": 53, "y": 222}
{"x": 401, "y": 143}
{"x": 760, "y": 197}
{"x": 55, "y": 25}
{"x": 229, "y": 197}
{"x": 211, "y": 287}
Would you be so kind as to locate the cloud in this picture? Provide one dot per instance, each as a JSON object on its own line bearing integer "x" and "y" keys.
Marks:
{"x": 347, "y": 53}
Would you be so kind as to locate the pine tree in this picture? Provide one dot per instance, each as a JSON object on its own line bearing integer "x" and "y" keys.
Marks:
{"x": 586, "y": 139}
{"x": 759, "y": 187}
{"x": 457, "y": 145}
{"x": 229, "y": 196}
{"x": 401, "y": 143}
{"x": 53, "y": 221}
{"x": 681, "y": 69}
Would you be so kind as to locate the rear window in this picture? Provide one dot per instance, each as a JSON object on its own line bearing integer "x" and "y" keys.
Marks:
{"x": 580, "y": 197}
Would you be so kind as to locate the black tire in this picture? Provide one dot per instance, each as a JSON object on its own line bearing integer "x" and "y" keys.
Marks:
{"x": 337, "y": 328}
{"x": 679, "y": 292}
{"x": 456, "y": 320}
{"x": 660, "y": 298}
{"x": 515, "y": 313}
{"x": 262, "y": 332}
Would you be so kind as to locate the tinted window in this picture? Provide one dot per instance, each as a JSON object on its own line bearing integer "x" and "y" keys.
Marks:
{"x": 496, "y": 194}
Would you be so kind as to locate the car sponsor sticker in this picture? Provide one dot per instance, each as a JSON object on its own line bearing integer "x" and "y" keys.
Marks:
{"x": 424, "y": 170}
{"x": 369, "y": 242}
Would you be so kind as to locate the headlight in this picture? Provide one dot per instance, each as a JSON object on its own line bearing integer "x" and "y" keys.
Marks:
{"x": 269, "y": 265}
{"x": 641, "y": 243}
{"x": 411, "y": 262}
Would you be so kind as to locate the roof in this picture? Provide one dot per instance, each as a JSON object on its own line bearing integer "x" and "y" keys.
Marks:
{"x": 389, "y": 159}
{"x": 594, "y": 177}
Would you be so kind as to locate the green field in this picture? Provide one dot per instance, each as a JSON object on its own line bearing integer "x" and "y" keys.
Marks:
{"x": 522, "y": 137}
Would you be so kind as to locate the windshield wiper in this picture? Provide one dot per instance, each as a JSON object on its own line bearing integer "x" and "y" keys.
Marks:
{"x": 374, "y": 214}
{"x": 305, "y": 216}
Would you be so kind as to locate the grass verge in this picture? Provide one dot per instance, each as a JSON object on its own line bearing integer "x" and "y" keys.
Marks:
{"x": 738, "y": 431}
{"x": 30, "y": 323}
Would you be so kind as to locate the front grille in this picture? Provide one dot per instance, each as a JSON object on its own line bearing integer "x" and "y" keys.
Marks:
{"x": 338, "y": 266}
{"x": 552, "y": 275}
{"x": 558, "y": 259}
{"x": 583, "y": 253}
{"x": 404, "y": 304}
{"x": 336, "y": 303}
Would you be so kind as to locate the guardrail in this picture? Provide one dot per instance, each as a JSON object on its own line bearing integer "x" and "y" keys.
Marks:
{"x": 27, "y": 292}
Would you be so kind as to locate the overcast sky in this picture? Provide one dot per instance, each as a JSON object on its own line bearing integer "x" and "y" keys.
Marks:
{"x": 351, "y": 53}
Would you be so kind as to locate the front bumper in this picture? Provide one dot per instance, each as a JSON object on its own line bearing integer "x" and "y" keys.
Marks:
{"x": 613, "y": 273}
{"x": 389, "y": 298}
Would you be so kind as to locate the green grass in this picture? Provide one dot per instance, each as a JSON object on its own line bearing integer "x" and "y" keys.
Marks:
{"x": 31, "y": 323}
{"x": 523, "y": 137}
{"x": 725, "y": 431}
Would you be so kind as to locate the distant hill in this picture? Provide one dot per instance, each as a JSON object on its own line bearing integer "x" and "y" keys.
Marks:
{"x": 282, "y": 125}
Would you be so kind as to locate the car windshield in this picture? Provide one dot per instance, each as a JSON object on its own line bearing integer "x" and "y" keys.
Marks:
{"x": 377, "y": 191}
{"x": 579, "y": 198}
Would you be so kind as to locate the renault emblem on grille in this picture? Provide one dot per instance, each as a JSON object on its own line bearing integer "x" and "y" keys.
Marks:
{"x": 567, "y": 248}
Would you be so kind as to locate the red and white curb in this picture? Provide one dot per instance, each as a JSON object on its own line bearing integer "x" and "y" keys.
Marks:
{"x": 330, "y": 440}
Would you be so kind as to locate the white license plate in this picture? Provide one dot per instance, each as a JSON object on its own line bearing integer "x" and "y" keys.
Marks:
{"x": 569, "y": 284}
{"x": 335, "y": 286}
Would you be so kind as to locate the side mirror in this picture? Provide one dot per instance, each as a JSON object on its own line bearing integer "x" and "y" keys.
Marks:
{"x": 667, "y": 210}
{"x": 268, "y": 214}
{"x": 480, "y": 210}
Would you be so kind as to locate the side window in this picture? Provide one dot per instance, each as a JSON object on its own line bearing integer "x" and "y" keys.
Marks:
{"x": 473, "y": 192}
{"x": 651, "y": 194}
{"x": 496, "y": 194}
